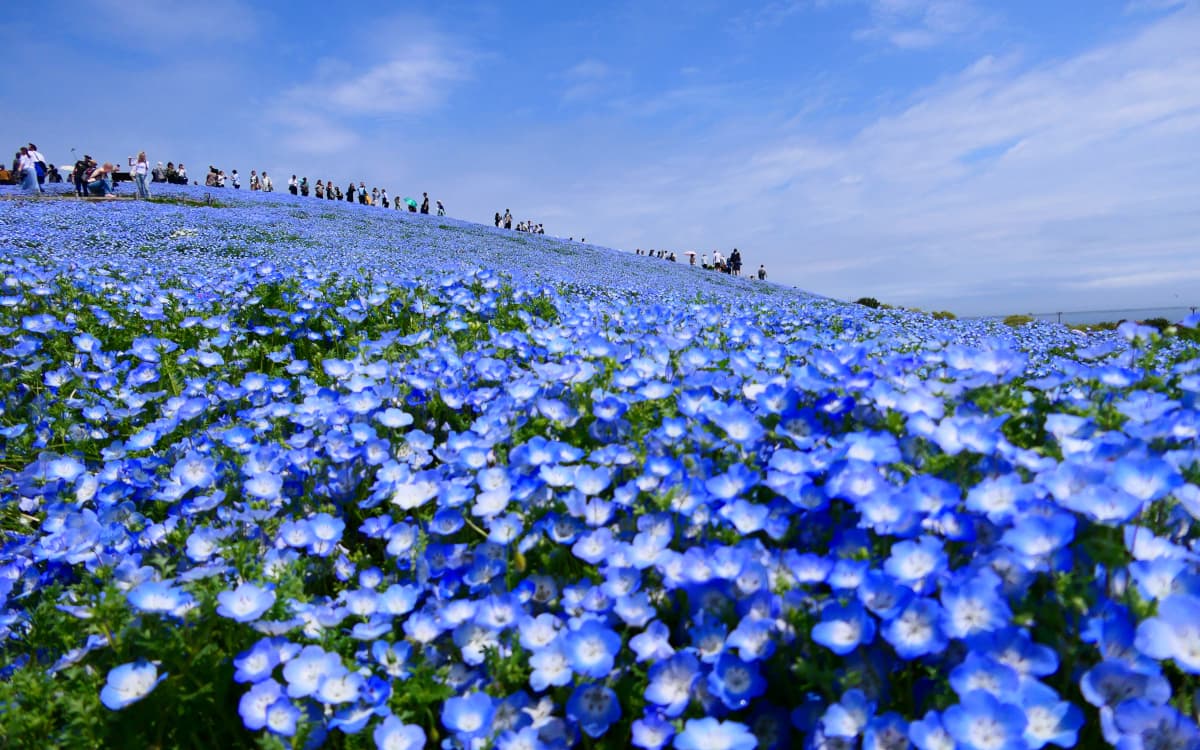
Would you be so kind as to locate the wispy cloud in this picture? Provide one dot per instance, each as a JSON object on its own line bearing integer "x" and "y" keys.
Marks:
{"x": 585, "y": 80}
{"x": 406, "y": 79}
{"x": 150, "y": 24}
{"x": 920, "y": 24}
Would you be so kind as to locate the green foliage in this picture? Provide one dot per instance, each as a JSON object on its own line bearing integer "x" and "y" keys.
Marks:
{"x": 1016, "y": 321}
{"x": 867, "y": 302}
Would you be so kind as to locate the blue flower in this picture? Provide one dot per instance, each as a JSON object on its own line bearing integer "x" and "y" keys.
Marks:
{"x": 595, "y": 707}
{"x": 981, "y": 722}
{"x": 160, "y": 597}
{"x": 1145, "y": 725}
{"x": 1048, "y": 718}
{"x": 712, "y": 734}
{"x": 246, "y": 603}
{"x": 651, "y": 732}
{"x": 469, "y": 716}
{"x": 844, "y": 627}
{"x": 736, "y": 682}
{"x": 129, "y": 683}
{"x": 257, "y": 700}
{"x": 591, "y": 649}
{"x": 916, "y": 630}
{"x": 670, "y": 683}
{"x": 1174, "y": 633}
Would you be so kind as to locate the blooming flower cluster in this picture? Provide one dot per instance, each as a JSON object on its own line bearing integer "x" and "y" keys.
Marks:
{"x": 281, "y": 476}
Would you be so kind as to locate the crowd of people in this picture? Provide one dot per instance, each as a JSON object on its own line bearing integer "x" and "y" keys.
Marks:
{"x": 90, "y": 178}
{"x": 506, "y": 221}
{"x": 731, "y": 265}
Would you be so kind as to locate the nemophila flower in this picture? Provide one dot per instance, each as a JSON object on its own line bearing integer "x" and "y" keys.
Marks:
{"x": 1174, "y": 633}
{"x": 1145, "y": 725}
{"x": 160, "y": 597}
{"x": 712, "y": 734}
{"x": 129, "y": 683}
{"x": 469, "y": 716}
{"x": 653, "y": 643}
{"x": 260, "y": 660}
{"x": 670, "y": 683}
{"x": 844, "y": 627}
{"x": 1037, "y": 538}
{"x": 735, "y": 682}
{"x": 246, "y": 603}
{"x": 1110, "y": 682}
{"x": 916, "y": 630}
{"x": 982, "y": 673}
{"x": 974, "y": 606}
{"x": 981, "y": 722}
{"x": 738, "y": 424}
{"x": 591, "y": 649}
{"x": 848, "y": 717}
{"x": 1014, "y": 647}
{"x": 394, "y": 734}
{"x": 1049, "y": 720}
{"x": 929, "y": 734}
{"x": 305, "y": 672}
{"x": 595, "y": 707}
{"x": 341, "y": 686}
{"x": 916, "y": 563}
{"x": 257, "y": 700}
{"x": 1104, "y": 505}
{"x": 651, "y": 732}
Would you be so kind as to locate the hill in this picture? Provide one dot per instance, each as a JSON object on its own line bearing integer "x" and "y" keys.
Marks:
{"x": 286, "y": 473}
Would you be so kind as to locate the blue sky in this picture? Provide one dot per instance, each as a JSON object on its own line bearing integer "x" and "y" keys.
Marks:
{"x": 946, "y": 154}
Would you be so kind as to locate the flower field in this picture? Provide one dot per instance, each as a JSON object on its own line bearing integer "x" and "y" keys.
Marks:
{"x": 289, "y": 473}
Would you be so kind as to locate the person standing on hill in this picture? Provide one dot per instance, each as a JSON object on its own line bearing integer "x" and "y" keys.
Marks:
{"x": 267, "y": 186}
{"x": 441, "y": 209}
{"x": 236, "y": 179}
{"x": 762, "y": 272}
{"x": 254, "y": 184}
{"x": 497, "y": 219}
{"x": 28, "y": 172}
{"x": 507, "y": 219}
{"x": 425, "y": 203}
{"x": 141, "y": 174}
{"x": 79, "y": 175}
{"x": 39, "y": 165}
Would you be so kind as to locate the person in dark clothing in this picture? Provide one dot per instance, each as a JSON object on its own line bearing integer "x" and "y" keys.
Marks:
{"x": 350, "y": 191}
{"x": 507, "y": 219}
{"x": 304, "y": 186}
{"x": 497, "y": 219}
{"x": 425, "y": 203}
{"x": 79, "y": 174}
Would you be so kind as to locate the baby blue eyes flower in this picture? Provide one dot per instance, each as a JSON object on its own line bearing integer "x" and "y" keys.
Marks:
{"x": 712, "y": 734}
{"x": 981, "y": 722}
{"x": 1174, "y": 633}
{"x": 469, "y": 716}
{"x": 591, "y": 649}
{"x": 393, "y": 734}
{"x": 844, "y": 627}
{"x": 916, "y": 630}
{"x": 736, "y": 682}
{"x": 671, "y": 681}
{"x": 160, "y": 597}
{"x": 595, "y": 707}
{"x": 129, "y": 683}
{"x": 246, "y": 603}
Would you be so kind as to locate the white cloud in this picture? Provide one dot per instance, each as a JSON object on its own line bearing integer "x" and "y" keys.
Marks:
{"x": 585, "y": 80}
{"x": 919, "y": 24}
{"x": 409, "y": 79}
{"x": 1009, "y": 186}
{"x": 152, "y": 24}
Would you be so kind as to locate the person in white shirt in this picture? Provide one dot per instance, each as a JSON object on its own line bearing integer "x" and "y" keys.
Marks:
{"x": 182, "y": 174}
{"x": 293, "y": 186}
{"x": 267, "y": 187}
{"x": 237, "y": 180}
{"x": 141, "y": 174}
{"x": 254, "y": 180}
{"x": 39, "y": 165}
{"x": 25, "y": 166}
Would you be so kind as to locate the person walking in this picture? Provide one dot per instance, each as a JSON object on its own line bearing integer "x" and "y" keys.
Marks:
{"x": 507, "y": 219}
{"x": 441, "y": 209}
{"x": 383, "y": 199}
{"x": 762, "y": 272}
{"x": 425, "y": 203}
{"x": 28, "y": 172}
{"x": 304, "y": 186}
{"x": 497, "y": 219}
{"x": 236, "y": 179}
{"x": 141, "y": 174}
{"x": 267, "y": 186}
{"x": 182, "y": 174}
{"x": 253, "y": 180}
{"x": 39, "y": 165}
{"x": 293, "y": 185}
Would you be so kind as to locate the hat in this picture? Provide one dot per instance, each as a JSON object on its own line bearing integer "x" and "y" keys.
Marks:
{"x": 160, "y": 164}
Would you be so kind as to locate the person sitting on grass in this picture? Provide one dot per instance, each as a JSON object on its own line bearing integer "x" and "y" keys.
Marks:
{"x": 100, "y": 181}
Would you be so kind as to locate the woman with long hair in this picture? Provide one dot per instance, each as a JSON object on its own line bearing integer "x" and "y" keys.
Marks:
{"x": 141, "y": 174}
